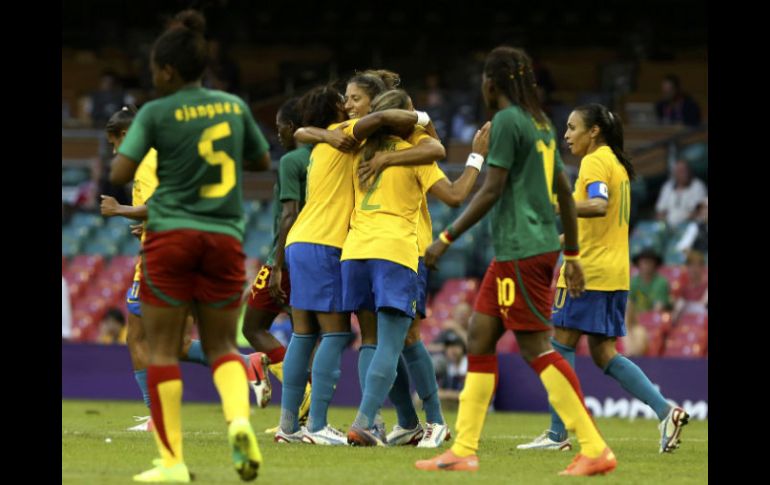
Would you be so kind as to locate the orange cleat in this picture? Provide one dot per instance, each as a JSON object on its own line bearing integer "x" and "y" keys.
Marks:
{"x": 582, "y": 466}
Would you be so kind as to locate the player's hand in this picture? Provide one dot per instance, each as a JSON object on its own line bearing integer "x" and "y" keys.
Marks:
{"x": 573, "y": 274}
{"x": 370, "y": 169}
{"x": 434, "y": 253}
{"x": 341, "y": 140}
{"x": 274, "y": 286}
{"x": 481, "y": 140}
{"x": 109, "y": 206}
{"x": 137, "y": 230}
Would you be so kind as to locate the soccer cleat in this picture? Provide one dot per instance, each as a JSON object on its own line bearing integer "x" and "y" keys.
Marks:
{"x": 450, "y": 462}
{"x": 160, "y": 474}
{"x": 304, "y": 407}
{"x": 671, "y": 428}
{"x": 435, "y": 435}
{"x": 273, "y": 430}
{"x": 582, "y": 466}
{"x": 296, "y": 437}
{"x": 364, "y": 437}
{"x": 544, "y": 442}
{"x": 146, "y": 425}
{"x": 246, "y": 454}
{"x": 403, "y": 436}
{"x": 379, "y": 429}
{"x": 259, "y": 380}
{"x": 325, "y": 436}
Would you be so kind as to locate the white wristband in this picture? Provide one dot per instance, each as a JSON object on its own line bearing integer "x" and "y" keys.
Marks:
{"x": 422, "y": 118}
{"x": 475, "y": 160}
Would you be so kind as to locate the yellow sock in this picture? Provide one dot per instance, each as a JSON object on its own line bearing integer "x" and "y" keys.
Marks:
{"x": 474, "y": 401}
{"x": 169, "y": 398}
{"x": 570, "y": 408}
{"x": 277, "y": 370}
{"x": 304, "y": 406}
{"x": 230, "y": 380}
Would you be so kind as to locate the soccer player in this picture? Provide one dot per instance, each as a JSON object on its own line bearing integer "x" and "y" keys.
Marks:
{"x": 603, "y": 202}
{"x": 524, "y": 169}
{"x": 193, "y": 255}
{"x": 145, "y": 182}
{"x": 313, "y": 249}
{"x": 416, "y": 358}
{"x": 268, "y": 295}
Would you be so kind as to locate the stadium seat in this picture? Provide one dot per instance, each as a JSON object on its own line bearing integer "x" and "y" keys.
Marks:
{"x": 686, "y": 341}
{"x": 507, "y": 344}
{"x": 657, "y": 325}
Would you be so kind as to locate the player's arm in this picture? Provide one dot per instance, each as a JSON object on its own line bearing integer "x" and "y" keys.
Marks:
{"x": 482, "y": 202}
{"x": 454, "y": 193}
{"x": 289, "y": 213}
{"x": 395, "y": 118}
{"x": 110, "y": 207}
{"x": 596, "y": 204}
{"x": 573, "y": 272}
{"x": 122, "y": 169}
{"x": 425, "y": 152}
{"x": 337, "y": 137}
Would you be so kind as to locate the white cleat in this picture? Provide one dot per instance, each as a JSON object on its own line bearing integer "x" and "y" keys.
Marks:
{"x": 435, "y": 435}
{"x": 325, "y": 436}
{"x": 543, "y": 442}
{"x": 671, "y": 428}
{"x": 144, "y": 425}
{"x": 263, "y": 391}
{"x": 296, "y": 437}
{"x": 402, "y": 436}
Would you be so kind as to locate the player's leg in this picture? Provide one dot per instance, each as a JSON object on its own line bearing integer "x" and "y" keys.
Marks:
{"x": 335, "y": 336}
{"x": 408, "y": 430}
{"x": 217, "y": 290}
{"x": 483, "y": 333}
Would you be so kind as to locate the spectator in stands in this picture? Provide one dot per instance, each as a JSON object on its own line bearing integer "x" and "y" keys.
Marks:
{"x": 680, "y": 195}
{"x": 649, "y": 289}
{"x": 676, "y": 107}
{"x": 693, "y": 294}
{"x": 107, "y": 100}
{"x": 697, "y": 234}
{"x": 112, "y": 329}
{"x": 66, "y": 311}
{"x": 457, "y": 325}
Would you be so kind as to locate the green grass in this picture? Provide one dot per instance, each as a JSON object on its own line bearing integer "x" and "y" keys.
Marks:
{"x": 87, "y": 458}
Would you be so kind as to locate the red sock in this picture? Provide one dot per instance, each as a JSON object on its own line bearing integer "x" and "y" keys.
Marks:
{"x": 276, "y": 355}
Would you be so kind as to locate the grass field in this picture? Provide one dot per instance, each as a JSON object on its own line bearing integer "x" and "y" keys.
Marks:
{"x": 88, "y": 459}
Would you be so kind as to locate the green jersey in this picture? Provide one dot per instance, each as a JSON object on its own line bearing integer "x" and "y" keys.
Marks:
{"x": 202, "y": 137}
{"x": 646, "y": 295}
{"x": 523, "y": 219}
{"x": 291, "y": 185}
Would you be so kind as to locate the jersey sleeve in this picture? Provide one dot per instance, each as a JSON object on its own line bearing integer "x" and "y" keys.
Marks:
{"x": 290, "y": 175}
{"x": 593, "y": 172}
{"x": 428, "y": 175}
{"x": 502, "y": 141}
{"x": 140, "y": 136}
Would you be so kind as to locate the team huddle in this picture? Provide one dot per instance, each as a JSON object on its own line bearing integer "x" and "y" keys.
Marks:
{"x": 353, "y": 235}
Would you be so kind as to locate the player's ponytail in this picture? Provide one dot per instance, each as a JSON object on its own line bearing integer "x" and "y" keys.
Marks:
{"x": 393, "y": 99}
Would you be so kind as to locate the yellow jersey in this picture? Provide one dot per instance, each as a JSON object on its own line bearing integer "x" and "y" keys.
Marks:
{"x": 385, "y": 217}
{"x": 604, "y": 240}
{"x": 329, "y": 196}
{"x": 424, "y": 224}
{"x": 145, "y": 183}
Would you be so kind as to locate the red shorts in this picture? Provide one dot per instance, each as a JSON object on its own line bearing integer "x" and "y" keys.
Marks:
{"x": 519, "y": 292}
{"x": 259, "y": 297}
{"x": 183, "y": 265}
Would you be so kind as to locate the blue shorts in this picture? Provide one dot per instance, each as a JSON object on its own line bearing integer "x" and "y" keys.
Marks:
{"x": 422, "y": 287}
{"x": 132, "y": 300}
{"x": 371, "y": 284}
{"x": 597, "y": 312}
{"x": 316, "y": 280}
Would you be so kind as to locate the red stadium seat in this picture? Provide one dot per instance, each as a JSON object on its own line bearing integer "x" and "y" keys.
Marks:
{"x": 657, "y": 325}
{"x": 582, "y": 346}
{"x": 686, "y": 341}
{"x": 693, "y": 320}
